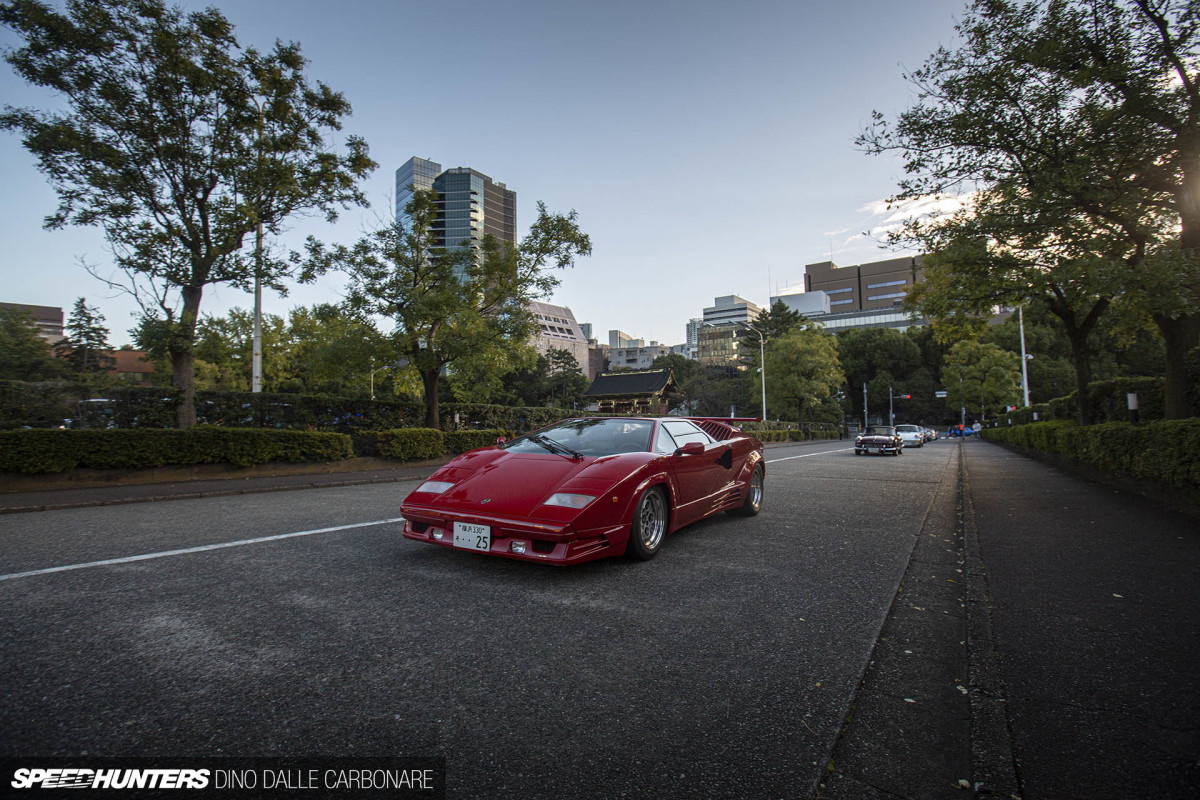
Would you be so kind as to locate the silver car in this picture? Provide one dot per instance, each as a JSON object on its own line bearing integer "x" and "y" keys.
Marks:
{"x": 912, "y": 435}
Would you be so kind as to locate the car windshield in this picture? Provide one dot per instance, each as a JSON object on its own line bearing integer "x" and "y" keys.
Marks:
{"x": 587, "y": 437}
{"x": 908, "y": 429}
{"x": 880, "y": 430}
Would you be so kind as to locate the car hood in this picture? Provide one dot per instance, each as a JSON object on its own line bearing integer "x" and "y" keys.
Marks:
{"x": 517, "y": 484}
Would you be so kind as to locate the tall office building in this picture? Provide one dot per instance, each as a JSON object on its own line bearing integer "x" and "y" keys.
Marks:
{"x": 470, "y": 204}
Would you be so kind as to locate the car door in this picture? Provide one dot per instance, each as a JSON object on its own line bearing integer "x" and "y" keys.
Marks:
{"x": 697, "y": 474}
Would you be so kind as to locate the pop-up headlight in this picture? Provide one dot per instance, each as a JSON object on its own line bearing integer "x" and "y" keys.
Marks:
{"x": 568, "y": 500}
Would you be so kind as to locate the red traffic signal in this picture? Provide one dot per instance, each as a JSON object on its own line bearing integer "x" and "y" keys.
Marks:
{"x": 906, "y": 397}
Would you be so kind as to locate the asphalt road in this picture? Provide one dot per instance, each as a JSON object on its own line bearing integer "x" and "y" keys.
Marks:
{"x": 725, "y": 667}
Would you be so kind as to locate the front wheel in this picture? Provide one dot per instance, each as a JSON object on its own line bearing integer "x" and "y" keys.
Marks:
{"x": 649, "y": 525}
{"x": 754, "y": 494}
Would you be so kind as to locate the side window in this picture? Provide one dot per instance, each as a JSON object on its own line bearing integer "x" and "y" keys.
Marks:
{"x": 684, "y": 432}
{"x": 663, "y": 443}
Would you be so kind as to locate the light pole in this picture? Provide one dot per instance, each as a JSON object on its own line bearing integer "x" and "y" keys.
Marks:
{"x": 403, "y": 362}
{"x": 1024, "y": 357}
{"x": 256, "y": 366}
{"x": 762, "y": 361}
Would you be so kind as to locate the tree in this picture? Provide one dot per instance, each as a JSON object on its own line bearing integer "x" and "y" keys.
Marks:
{"x": 882, "y": 358}
{"x": 86, "y": 346}
{"x": 981, "y": 376}
{"x": 457, "y": 303}
{"x": 178, "y": 143}
{"x": 776, "y": 321}
{"x": 965, "y": 281}
{"x": 24, "y": 354}
{"x": 1079, "y": 123}
{"x": 802, "y": 371}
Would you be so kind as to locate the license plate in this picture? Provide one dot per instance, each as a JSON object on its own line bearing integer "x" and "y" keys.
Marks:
{"x": 873, "y": 449}
{"x": 472, "y": 537}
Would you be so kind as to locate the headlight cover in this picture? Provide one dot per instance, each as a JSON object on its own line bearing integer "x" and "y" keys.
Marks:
{"x": 434, "y": 487}
{"x": 569, "y": 500}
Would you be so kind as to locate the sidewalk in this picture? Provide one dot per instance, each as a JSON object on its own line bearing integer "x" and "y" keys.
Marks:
{"x": 1094, "y": 598}
{"x": 223, "y": 481}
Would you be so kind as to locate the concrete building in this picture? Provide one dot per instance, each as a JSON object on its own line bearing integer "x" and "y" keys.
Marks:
{"x": 470, "y": 204}
{"x": 559, "y": 330}
{"x": 48, "y": 319}
{"x": 636, "y": 354}
{"x": 730, "y": 310}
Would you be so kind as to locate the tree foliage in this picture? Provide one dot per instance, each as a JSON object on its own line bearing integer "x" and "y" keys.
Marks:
{"x": 452, "y": 304}
{"x": 85, "y": 348}
{"x": 1071, "y": 130}
{"x": 24, "y": 354}
{"x": 982, "y": 376}
{"x": 802, "y": 371}
{"x": 177, "y": 142}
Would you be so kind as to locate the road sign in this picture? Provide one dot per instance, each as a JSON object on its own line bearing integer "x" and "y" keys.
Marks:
{"x": 939, "y": 394}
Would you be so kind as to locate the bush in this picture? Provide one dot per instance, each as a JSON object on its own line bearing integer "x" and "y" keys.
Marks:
{"x": 39, "y": 451}
{"x": 411, "y": 444}
{"x": 1164, "y": 451}
{"x": 457, "y": 442}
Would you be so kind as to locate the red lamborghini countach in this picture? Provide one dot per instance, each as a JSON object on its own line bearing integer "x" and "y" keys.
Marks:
{"x": 588, "y": 488}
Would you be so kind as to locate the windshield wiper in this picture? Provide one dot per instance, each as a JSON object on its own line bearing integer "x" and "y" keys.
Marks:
{"x": 553, "y": 446}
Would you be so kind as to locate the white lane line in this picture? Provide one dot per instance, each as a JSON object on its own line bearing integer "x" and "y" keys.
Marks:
{"x": 810, "y": 455}
{"x": 200, "y": 549}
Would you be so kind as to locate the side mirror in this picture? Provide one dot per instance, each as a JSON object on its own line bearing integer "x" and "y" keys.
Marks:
{"x": 690, "y": 449}
{"x": 501, "y": 439}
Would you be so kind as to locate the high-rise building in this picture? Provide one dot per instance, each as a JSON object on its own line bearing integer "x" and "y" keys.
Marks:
{"x": 470, "y": 204}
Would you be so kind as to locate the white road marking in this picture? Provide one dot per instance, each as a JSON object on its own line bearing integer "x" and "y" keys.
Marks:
{"x": 200, "y": 549}
{"x": 810, "y": 455}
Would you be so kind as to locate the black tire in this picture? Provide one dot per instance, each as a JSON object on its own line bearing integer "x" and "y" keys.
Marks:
{"x": 858, "y": 452}
{"x": 754, "y": 494}
{"x": 649, "y": 527}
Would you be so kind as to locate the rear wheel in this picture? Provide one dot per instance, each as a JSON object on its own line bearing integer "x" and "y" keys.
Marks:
{"x": 649, "y": 525}
{"x": 754, "y": 494}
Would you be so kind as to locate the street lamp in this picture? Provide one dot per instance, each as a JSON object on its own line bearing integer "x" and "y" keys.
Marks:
{"x": 762, "y": 360}
{"x": 256, "y": 366}
{"x": 398, "y": 365}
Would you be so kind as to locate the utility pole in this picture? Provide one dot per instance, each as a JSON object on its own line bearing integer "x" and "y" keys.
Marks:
{"x": 866, "y": 419}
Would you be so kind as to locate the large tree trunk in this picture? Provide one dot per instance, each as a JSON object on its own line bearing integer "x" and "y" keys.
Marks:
{"x": 1179, "y": 336}
{"x": 183, "y": 375}
{"x": 429, "y": 380}
{"x": 1081, "y": 355}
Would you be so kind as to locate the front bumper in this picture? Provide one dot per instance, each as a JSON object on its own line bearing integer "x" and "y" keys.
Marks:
{"x": 544, "y": 543}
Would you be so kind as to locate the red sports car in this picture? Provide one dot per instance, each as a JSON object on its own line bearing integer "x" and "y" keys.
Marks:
{"x": 588, "y": 488}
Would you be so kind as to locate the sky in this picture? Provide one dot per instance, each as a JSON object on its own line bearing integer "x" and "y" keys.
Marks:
{"x": 706, "y": 146}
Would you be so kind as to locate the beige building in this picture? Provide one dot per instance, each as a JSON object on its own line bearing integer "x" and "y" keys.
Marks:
{"x": 559, "y": 330}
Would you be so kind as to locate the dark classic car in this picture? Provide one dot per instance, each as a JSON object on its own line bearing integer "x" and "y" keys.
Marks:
{"x": 588, "y": 488}
{"x": 878, "y": 439}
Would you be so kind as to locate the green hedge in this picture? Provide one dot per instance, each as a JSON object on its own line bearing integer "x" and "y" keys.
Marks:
{"x": 410, "y": 444}
{"x": 39, "y": 451}
{"x": 456, "y": 442}
{"x": 46, "y": 405}
{"x": 1107, "y": 399}
{"x": 1164, "y": 451}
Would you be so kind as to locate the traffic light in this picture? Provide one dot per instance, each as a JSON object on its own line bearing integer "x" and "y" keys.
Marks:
{"x": 904, "y": 397}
